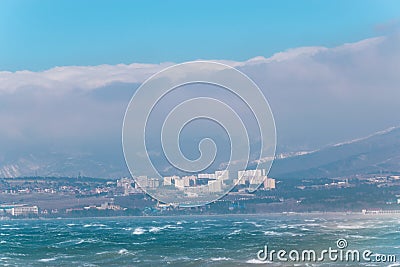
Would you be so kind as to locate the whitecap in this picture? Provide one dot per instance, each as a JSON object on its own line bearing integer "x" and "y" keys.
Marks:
{"x": 122, "y": 251}
{"x": 138, "y": 231}
{"x": 220, "y": 259}
{"x": 256, "y": 224}
{"x": 256, "y": 261}
{"x": 272, "y": 233}
{"x": 173, "y": 227}
{"x": 103, "y": 252}
{"x": 296, "y": 235}
{"x": 313, "y": 224}
{"x": 47, "y": 260}
{"x": 125, "y": 252}
{"x": 235, "y": 232}
{"x": 155, "y": 229}
{"x": 350, "y": 227}
{"x": 79, "y": 241}
{"x": 94, "y": 225}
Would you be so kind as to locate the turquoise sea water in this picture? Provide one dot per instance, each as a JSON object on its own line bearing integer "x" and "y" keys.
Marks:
{"x": 191, "y": 241}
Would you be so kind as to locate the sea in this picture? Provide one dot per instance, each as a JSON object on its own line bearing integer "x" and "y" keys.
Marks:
{"x": 230, "y": 240}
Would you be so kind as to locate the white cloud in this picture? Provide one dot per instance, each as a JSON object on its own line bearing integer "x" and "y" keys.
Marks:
{"x": 318, "y": 95}
{"x": 82, "y": 77}
{"x": 92, "y": 77}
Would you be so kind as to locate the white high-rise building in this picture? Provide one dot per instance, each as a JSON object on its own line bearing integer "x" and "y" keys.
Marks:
{"x": 126, "y": 184}
{"x": 153, "y": 182}
{"x": 170, "y": 180}
{"x": 210, "y": 176}
{"x": 269, "y": 183}
{"x": 215, "y": 186}
{"x": 179, "y": 183}
{"x": 223, "y": 175}
{"x": 142, "y": 181}
{"x": 189, "y": 180}
{"x": 251, "y": 176}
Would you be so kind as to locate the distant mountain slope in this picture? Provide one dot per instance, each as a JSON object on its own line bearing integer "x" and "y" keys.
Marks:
{"x": 64, "y": 164}
{"x": 375, "y": 153}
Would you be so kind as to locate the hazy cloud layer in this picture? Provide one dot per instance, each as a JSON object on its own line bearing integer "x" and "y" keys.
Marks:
{"x": 318, "y": 95}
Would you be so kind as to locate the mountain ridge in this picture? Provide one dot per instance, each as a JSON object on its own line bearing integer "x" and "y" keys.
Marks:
{"x": 374, "y": 153}
{"x": 377, "y": 152}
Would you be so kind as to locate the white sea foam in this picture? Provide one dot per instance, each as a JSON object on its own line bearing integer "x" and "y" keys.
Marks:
{"x": 80, "y": 241}
{"x": 103, "y": 252}
{"x": 256, "y": 261}
{"x": 235, "y": 232}
{"x": 94, "y": 225}
{"x": 272, "y": 233}
{"x": 47, "y": 259}
{"x": 293, "y": 234}
{"x": 174, "y": 227}
{"x": 155, "y": 229}
{"x": 122, "y": 251}
{"x": 256, "y": 224}
{"x": 313, "y": 224}
{"x": 138, "y": 231}
{"x": 220, "y": 259}
{"x": 351, "y": 227}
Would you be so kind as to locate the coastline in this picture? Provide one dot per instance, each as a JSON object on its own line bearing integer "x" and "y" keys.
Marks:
{"x": 253, "y": 215}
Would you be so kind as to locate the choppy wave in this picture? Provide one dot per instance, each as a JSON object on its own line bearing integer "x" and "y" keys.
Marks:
{"x": 204, "y": 241}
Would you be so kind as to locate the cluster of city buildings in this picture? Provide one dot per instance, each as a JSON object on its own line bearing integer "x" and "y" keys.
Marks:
{"x": 218, "y": 181}
{"x": 213, "y": 182}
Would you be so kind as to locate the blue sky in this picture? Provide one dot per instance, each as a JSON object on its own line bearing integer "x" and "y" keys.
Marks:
{"x": 40, "y": 34}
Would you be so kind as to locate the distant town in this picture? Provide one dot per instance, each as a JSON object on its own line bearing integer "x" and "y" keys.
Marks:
{"x": 54, "y": 197}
